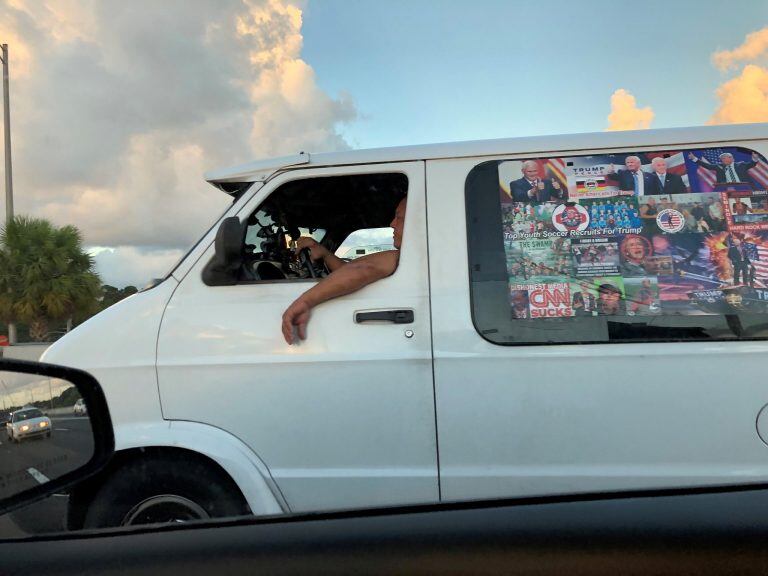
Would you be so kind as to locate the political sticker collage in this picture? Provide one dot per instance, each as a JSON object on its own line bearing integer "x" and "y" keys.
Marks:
{"x": 646, "y": 234}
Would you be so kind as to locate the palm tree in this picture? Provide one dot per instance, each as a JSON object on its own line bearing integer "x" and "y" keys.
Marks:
{"x": 44, "y": 274}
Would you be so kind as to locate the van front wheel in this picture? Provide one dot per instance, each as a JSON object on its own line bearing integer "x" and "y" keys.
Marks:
{"x": 166, "y": 490}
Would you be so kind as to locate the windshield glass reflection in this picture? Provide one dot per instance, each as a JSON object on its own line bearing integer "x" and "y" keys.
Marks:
{"x": 45, "y": 431}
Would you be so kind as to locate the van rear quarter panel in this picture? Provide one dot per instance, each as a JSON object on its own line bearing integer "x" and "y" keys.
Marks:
{"x": 535, "y": 420}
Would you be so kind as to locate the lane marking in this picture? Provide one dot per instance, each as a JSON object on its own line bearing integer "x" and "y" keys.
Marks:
{"x": 61, "y": 429}
{"x": 37, "y": 475}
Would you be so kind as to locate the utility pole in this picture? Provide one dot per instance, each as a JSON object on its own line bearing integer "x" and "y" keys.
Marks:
{"x": 8, "y": 174}
{"x": 5, "y": 407}
{"x": 7, "y": 124}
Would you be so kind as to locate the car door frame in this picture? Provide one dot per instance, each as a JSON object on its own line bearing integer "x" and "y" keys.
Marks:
{"x": 424, "y": 478}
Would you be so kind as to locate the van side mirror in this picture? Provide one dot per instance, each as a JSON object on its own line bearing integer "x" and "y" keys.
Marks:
{"x": 44, "y": 448}
{"x": 223, "y": 268}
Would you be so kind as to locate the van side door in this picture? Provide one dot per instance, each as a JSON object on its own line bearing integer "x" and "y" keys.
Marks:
{"x": 615, "y": 341}
{"x": 343, "y": 419}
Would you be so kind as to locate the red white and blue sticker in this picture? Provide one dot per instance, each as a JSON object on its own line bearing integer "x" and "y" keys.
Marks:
{"x": 670, "y": 221}
{"x": 567, "y": 218}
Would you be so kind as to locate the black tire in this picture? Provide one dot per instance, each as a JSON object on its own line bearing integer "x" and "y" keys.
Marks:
{"x": 164, "y": 489}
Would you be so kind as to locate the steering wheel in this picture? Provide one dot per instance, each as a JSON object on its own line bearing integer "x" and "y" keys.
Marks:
{"x": 306, "y": 261}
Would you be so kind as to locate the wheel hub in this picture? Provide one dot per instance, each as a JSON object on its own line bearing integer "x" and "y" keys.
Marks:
{"x": 164, "y": 509}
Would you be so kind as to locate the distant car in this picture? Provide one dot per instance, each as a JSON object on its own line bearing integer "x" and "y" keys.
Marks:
{"x": 27, "y": 423}
{"x": 79, "y": 408}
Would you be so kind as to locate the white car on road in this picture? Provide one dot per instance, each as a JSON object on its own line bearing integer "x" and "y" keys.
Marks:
{"x": 79, "y": 409}
{"x": 28, "y": 422}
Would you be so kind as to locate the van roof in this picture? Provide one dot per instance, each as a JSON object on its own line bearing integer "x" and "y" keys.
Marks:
{"x": 227, "y": 179}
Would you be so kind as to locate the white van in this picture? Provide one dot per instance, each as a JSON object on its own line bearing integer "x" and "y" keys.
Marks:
{"x": 560, "y": 321}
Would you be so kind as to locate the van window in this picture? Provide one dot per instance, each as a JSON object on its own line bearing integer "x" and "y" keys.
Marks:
{"x": 620, "y": 247}
{"x": 330, "y": 209}
{"x": 368, "y": 241}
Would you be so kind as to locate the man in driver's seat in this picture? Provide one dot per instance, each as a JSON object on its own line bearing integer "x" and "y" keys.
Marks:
{"x": 345, "y": 277}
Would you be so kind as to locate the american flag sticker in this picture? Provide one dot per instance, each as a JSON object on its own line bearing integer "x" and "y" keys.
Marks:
{"x": 760, "y": 173}
{"x": 758, "y": 255}
{"x": 670, "y": 221}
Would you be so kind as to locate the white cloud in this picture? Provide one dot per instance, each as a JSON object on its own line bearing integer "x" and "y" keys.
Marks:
{"x": 743, "y": 99}
{"x": 625, "y": 115}
{"x": 126, "y": 265}
{"x": 291, "y": 112}
{"x": 119, "y": 107}
{"x": 754, "y": 46}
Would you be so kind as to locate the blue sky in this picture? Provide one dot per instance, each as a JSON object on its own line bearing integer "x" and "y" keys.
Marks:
{"x": 431, "y": 71}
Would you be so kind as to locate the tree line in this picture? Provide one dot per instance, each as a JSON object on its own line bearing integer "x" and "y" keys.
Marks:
{"x": 48, "y": 283}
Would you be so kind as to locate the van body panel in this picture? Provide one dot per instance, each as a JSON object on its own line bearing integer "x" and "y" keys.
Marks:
{"x": 343, "y": 419}
{"x": 123, "y": 361}
{"x": 545, "y": 419}
{"x": 118, "y": 347}
{"x": 235, "y": 458}
{"x": 529, "y": 145}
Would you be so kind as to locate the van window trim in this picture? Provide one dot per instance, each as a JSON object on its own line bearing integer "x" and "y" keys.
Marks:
{"x": 243, "y": 213}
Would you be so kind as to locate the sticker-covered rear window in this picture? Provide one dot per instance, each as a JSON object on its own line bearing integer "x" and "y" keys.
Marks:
{"x": 651, "y": 246}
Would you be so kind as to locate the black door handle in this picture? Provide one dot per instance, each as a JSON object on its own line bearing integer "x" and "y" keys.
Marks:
{"x": 394, "y": 316}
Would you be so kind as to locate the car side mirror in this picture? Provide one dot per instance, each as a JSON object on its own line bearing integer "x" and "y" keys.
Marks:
{"x": 44, "y": 448}
{"x": 223, "y": 268}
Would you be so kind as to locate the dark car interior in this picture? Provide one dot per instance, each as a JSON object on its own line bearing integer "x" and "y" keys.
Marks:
{"x": 702, "y": 531}
{"x": 327, "y": 208}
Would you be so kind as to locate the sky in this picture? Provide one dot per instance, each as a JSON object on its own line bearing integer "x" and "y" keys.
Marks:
{"x": 118, "y": 108}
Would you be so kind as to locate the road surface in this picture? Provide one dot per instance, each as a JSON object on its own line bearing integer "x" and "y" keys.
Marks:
{"x": 33, "y": 462}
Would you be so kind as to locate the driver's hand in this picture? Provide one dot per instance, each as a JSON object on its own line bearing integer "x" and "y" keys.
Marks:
{"x": 297, "y": 314}
{"x": 316, "y": 251}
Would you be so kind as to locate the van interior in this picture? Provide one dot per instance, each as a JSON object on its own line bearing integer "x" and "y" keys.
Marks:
{"x": 329, "y": 209}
